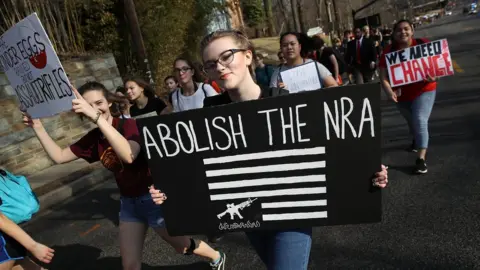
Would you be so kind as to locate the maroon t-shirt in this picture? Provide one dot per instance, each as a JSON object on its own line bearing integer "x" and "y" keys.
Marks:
{"x": 133, "y": 179}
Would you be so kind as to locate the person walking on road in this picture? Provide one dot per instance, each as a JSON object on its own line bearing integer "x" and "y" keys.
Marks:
{"x": 414, "y": 101}
{"x": 116, "y": 144}
{"x": 191, "y": 91}
{"x": 227, "y": 57}
{"x": 361, "y": 57}
{"x": 142, "y": 95}
{"x": 296, "y": 47}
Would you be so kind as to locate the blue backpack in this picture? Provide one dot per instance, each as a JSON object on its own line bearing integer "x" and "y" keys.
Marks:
{"x": 18, "y": 202}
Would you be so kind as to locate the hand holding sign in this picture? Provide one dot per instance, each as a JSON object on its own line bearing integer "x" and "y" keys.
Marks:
{"x": 429, "y": 78}
{"x": 381, "y": 178}
{"x": 157, "y": 195}
{"x": 29, "y": 122}
{"x": 80, "y": 105}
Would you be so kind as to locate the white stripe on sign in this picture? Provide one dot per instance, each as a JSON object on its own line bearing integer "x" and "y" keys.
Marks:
{"x": 268, "y": 154}
{"x": 268, "y": 193}
{"x": 294, "y": 204}
{"x": 268, "y": 168}
{"x": 268, "y": 181}
{"x": 292, "y": 216}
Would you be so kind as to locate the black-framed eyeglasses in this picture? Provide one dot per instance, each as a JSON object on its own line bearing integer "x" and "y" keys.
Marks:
{"x": 182, "y": 69}
{"x": 224, "y": 59}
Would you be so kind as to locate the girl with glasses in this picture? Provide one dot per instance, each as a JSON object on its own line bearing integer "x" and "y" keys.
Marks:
{"x": 191, "y": 91}
{"x": 227, "y": 58}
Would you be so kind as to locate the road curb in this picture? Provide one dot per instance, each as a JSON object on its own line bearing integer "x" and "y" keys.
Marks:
{"x": 73, "y": 188}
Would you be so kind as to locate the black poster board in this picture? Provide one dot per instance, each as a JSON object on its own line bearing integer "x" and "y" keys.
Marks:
{"x": 295, "y": 172}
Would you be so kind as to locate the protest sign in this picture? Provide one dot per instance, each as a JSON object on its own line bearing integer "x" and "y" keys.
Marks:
{"x": 302, "y": 78}
{"x": 292, "y": 161}
{"x": 28, "y": 59}
{"x": 414, "y": 63}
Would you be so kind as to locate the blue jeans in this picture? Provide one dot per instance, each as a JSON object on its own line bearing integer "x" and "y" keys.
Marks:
{"x": 283, "y": 250}
{"x": 417, "y": 113}
{"x": 141, "y": 209}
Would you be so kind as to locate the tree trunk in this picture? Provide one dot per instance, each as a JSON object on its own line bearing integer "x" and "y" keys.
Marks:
{"x": 267, "y": 4}
{"x": 338, "y": 19}
{"x": 296, "y": 21}
{"x": 257, "y": 32}
{"x": 137, "y": 38}
{"x": 329, "y": 16}
{"x": 301, "y": 16}
{"x": 318, "y": 3}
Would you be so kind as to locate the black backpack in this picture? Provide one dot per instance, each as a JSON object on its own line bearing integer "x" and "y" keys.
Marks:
{"x": 340, "y": 60}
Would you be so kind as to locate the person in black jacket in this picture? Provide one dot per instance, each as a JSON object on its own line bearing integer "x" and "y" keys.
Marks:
{"x": 361, "y": 57}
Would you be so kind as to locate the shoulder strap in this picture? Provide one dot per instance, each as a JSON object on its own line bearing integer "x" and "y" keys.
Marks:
{"x": 204, "y": 91}
{"x": 170, "y": 96}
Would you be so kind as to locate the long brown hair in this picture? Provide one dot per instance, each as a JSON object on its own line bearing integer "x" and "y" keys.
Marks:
{"x": 197, "y": 75}
{"x": 109, "y": 96}
{"x": 148, "y": 90}
{"x": 239, "y": 38}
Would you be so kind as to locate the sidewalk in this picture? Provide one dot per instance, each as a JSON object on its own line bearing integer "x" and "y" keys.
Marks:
{"x": 60, "y": 182}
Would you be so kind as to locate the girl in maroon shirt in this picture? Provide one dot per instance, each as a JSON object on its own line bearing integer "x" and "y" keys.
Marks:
{"x": 116, "y": 143}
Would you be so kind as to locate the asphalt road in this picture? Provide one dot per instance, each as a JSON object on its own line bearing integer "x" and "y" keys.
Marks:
{"x": 430, "y": 221}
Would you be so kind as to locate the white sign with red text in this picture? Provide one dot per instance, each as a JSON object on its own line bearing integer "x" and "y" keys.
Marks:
{"x": 413, "y": 64}
{"x": 29, "y": 60}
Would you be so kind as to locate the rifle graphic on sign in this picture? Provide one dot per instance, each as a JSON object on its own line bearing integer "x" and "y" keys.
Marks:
{"x": 233, "y": 209}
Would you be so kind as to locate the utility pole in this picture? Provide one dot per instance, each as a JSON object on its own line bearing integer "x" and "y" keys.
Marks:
{"x": 137, "y": 38}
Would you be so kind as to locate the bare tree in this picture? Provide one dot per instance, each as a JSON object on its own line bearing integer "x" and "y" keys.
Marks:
{"x": 319, "y": 19}
{"x": 296, "y": 20}
{"x": 267, "y": 4}
{"x": 301, "y": 15}
{"x": 338, "y": 19}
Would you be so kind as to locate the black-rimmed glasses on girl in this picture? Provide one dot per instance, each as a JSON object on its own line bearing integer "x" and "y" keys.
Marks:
{"x": 224, "y": 59}
{"x": 183, "y": 69}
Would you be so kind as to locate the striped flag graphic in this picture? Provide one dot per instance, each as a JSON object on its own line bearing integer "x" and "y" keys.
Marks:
{"x": 289, "y": 184}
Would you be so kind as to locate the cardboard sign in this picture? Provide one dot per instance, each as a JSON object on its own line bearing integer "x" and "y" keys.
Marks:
{"x": 302, "y": 78}
{"x": 28, "y": 59}
{"x": 291, "y": 161}
{"x": 413, "y": 64}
